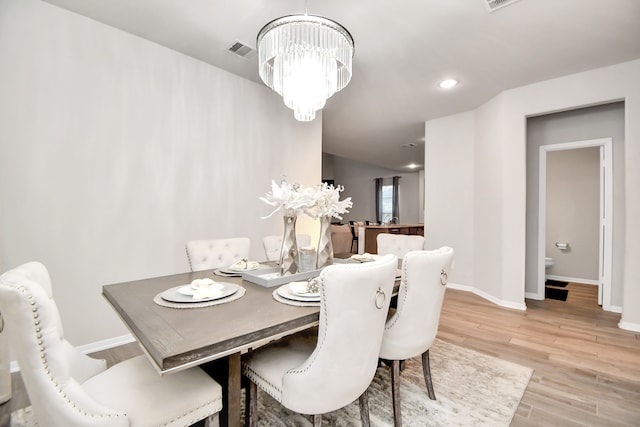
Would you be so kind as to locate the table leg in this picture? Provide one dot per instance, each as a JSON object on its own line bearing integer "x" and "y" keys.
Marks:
{"x": 227, "y": 371}
{"x": 233, "y": 389}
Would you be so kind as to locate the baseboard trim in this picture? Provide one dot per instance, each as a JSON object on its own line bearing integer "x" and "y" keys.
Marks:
{"x": 628, "y": 326}
{"x": 572, "y": 279}
{"x": 491, "y": 298}
{"x": 92, "y": 347}
{"x": 533, "y": 295}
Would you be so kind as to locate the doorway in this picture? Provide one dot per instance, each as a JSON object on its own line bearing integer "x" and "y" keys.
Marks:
{"x": 605, "y": 232}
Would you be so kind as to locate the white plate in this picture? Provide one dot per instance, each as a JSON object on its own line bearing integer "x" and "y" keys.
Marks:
{"x": 223, "y": 271}
{"x": 285, "y": 292}
{"x": 300, "y": 289}
{"x": 233, "y": 270}
{"x": 241, "y": 266}
{"x": 177, "y": 294}
{"x": 190, "y": 290}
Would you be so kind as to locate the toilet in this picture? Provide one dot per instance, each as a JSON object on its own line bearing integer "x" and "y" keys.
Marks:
{"x": 548, "y": 262}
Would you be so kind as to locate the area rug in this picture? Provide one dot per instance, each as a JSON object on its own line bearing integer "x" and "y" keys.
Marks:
{"x": 472, "y": 389}
{"x": 554, "y": 293}
{"x": 556, "y": 283}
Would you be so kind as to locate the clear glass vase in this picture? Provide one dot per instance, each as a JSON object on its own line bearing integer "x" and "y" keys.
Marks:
{"x": 325, "y": 246}
{"x": 289, "y": 251}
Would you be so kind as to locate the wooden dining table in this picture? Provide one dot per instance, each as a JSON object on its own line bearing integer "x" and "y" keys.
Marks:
{"x": 213, "y": 337}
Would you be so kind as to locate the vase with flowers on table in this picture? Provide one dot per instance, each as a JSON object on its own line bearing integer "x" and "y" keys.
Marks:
{"x": 321, "y": 202}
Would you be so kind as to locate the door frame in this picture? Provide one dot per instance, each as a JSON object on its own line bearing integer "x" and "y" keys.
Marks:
{"x": 605, "y": 260}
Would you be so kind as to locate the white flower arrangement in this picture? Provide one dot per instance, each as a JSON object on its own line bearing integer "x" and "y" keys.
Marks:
{"x": 328, "y": 202}
{"x": 316, "y": 202}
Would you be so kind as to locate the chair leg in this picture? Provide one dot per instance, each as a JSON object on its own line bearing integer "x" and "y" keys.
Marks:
{"x": 363, "y": 402}
{"x": 426, "y": 369}
{"x": 212, "y": 420}
{"x": 251, "y": 405}
{"x": 317, "y": 420}
{"x": 395, "y": 393}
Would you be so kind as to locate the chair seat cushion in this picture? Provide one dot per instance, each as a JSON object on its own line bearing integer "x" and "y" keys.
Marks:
{"x": 149, "y": 399}
{"x": 267, "y": 365}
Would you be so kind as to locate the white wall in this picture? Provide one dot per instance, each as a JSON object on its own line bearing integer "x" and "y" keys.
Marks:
{"x": 114, "y": 151}
{"x": 573, "y": 212}
{"x": 499, "y": 174}
{"x": 449, "y": 200}
{"x": 358, "y": 181}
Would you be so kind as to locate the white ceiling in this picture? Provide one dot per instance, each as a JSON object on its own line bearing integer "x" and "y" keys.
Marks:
{"x": 403, "y": 49}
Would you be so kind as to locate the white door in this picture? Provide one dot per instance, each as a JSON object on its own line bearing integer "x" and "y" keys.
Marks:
{"x": 606, "y": 229}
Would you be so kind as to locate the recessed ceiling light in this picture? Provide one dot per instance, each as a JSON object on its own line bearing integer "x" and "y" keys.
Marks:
{"x": 412, "y": 166}
{"x": 448, "y": 83}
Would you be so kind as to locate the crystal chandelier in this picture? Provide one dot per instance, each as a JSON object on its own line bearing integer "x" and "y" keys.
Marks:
{"x": 306, "y": 59}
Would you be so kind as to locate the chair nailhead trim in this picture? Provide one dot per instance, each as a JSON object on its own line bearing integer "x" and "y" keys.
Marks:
{"x": 188, "y": 423}
{"x": 58, "y": 388}
{"x": 43, "y": 354}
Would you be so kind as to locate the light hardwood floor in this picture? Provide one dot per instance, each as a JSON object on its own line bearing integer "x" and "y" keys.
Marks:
{"x": 587, "y": 370}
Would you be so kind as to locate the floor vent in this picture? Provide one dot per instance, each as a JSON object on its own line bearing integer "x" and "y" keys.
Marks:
{"x": 242, "y": 50}
{"x": 493, "y": 5}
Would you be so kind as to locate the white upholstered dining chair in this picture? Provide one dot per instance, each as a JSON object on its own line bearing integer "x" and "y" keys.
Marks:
{"x": 319, "y": 374}
{"x": 273, "y": 245}
{"x": 214, "y": 253}
{"x": 398, "y": 244}
{"x": 410, "y": 331}
{"x": 67, "y": 388}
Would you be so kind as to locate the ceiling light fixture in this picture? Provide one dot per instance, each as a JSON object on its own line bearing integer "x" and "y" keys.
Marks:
{"x": 448, "y": 83}
{"x": 306, "y": 59}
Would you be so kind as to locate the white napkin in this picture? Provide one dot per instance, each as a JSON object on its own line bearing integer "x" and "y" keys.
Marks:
{"x": 206, "y": 288}
{"x": 363, "y": 257}
{"x": 244, "y": 265}
{"x": 301, "y": 288}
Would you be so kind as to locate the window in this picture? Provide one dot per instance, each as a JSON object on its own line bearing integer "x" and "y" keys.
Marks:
{"x": 387, "y": 203}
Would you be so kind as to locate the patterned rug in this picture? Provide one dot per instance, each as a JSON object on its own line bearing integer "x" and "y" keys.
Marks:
{"x": 472, "y": 389}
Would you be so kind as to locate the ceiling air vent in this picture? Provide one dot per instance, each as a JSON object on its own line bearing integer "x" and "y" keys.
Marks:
{"x": 493, "y": 5}
{"x": 242, "y": 50}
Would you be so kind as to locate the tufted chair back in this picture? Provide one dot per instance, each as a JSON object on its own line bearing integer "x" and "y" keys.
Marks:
{"x": 349, "y": 335}
{"x": 318, "y": 373}
{"x": 52, "y": 369}
{"x": 209, "y": 254}
{"x": 67, "y": 388}
{"x": 273, "y": 245}
{"x": 413, "y": 327}
{"x": 398, "y": 244}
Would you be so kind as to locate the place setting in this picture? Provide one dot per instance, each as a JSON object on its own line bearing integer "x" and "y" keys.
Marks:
{"x": 304, "y": 293}
{"x": 365, "y": 257}
{"x": 199, "y": 293}
{"x": 237, "y": 268}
